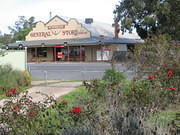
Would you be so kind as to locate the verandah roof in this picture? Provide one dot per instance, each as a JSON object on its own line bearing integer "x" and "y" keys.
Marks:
{"x": 86, "y": 41}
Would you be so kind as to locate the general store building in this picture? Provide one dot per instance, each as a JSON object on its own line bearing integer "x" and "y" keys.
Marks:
{"x": 72, "y": 40}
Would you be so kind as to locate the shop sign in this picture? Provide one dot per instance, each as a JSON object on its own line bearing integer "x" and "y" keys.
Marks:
{"x": 59, "y": 55}
{"x": 56, "y": 27}
{"x": 55, "y": 30}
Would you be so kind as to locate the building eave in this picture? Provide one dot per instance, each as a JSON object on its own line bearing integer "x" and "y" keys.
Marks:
{"x": 85, "y": 41}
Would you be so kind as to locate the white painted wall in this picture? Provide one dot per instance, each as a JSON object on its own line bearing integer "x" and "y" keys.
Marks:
{"x": 16, "y": 58}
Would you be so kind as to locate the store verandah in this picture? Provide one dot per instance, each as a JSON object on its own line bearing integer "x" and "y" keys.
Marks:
{"x": 56, "y": 53}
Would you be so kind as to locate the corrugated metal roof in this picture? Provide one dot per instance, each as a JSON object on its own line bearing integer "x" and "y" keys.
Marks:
{"x": 100, "y": 28}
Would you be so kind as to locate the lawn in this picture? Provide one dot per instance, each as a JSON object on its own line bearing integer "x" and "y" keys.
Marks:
{"x": 163, "y": 118}
{"x": 75, "y": 96}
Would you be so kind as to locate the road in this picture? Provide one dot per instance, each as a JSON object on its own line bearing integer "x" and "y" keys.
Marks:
{"x": 72, "y": 71}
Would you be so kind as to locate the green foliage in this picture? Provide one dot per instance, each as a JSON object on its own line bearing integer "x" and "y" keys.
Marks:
{"x": 73, "y": 97}
{"x": 149, "y": 17}
{"x": 2, "y": 53}
{"x": 27, "y": 78}
{"x": 22, "y": 27}
{"x": 50, "y": 116}
{"x": 22, "y": 115}
{"x": 155, "y": 55}
{"x": 112, "y": 75}
{"x": 127, "y": 107}
{"x": 5, "y": 39}
{"x": 163, "y": 118}
{"x": 79, "y": 131}
{"x": 10, "y": 78}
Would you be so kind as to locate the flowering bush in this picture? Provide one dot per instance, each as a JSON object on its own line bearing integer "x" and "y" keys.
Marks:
{"x": 11, "y": 92}
{"x": 10, "y": 78}
{"x": 23, "y": 116}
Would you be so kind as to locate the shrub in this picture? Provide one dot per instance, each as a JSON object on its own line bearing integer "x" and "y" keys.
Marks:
{"x": 79, "y": 131}
{"x": 10, "y": 78}
{"x": 27, "y": 78}
{"x": 125, "y": 109}
{"x": 111, "y": 75}
{"x": 116, "y": 111}
{"x": 20, "y": 115}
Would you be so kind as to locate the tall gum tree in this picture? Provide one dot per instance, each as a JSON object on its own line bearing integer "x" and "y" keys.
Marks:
{"x": 149, "y": 17}
{"x": 22, "y": 27}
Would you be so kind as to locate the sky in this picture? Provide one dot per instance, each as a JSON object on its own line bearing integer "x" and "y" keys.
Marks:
{"x": 99, "y": 10}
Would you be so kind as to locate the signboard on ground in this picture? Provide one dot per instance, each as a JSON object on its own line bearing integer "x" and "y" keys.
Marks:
{"x": 16, "y": 58}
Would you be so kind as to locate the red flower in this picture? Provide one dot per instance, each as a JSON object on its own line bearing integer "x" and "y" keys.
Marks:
{"x": 31, "y": 113}
{"x": 151, "y": 77}
{"x": 13, "y": 91}
{"x": 170, "y": 73}
{"x": 173, "y": 88}
{"x": 76, "y": 110}
{"x": 29, "y": 101}
{"x": 9, "y": 93}
{"x": 64, "y": 102}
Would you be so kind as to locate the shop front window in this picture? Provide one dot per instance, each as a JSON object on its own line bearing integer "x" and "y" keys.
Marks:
{"x": 74, "y": 51}
{"x": 42, "y": 52}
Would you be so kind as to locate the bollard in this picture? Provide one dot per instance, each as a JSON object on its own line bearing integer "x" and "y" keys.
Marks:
{"x": 29, "y": 69}
{"x": 45, "y": 77}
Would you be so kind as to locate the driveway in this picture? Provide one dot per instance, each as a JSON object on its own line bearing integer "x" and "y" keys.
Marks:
{"x": 56, "y": 90}
{"x": 73, "y": 71}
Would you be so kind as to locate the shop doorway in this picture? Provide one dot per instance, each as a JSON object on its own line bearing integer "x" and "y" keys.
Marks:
{"x": 61, "y": 54}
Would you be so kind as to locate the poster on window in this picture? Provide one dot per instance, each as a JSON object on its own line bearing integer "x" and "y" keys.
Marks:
{"x": 103, "y": 54}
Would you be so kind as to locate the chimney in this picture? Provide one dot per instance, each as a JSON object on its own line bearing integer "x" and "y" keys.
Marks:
{"x": 88, "y": 20}
{"x": 116, "y": 29}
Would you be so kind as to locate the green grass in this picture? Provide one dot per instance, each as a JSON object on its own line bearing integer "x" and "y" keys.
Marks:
{"x": 40, "y": 79}
{"x": 163, "y": 118}
{"x": 37, "y": 79}
{"x": 74, "y": 97}
{"x": 54, "y": 82}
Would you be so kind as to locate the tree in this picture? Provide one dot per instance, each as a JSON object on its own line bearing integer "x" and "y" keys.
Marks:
{"x": 22, "y": 27}
{"x": 149, "y": 17}
{"x": 5, "y": 39}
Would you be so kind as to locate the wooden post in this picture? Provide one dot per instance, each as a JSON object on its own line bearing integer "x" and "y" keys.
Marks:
{"x": 36, "y": 54}
{"x": 55, "y": 54}
{"x": 68, "y": 52}
{"x": 80, "y": 53}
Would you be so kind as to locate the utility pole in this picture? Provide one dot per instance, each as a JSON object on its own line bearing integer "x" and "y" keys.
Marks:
{"x": 116, "y": 29}
{"x": 50, "y": 15}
